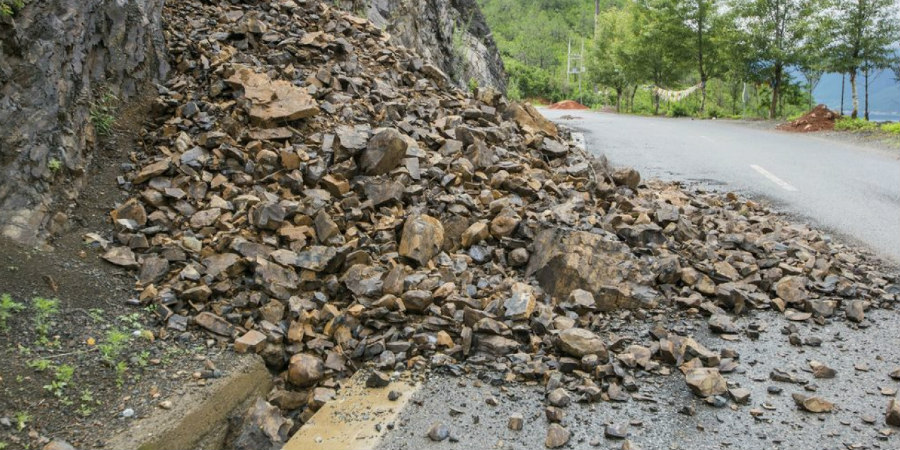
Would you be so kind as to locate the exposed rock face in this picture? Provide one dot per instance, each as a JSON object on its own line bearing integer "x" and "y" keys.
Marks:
{"x": 55, "y": 55}
{"x": 430, "y": 27}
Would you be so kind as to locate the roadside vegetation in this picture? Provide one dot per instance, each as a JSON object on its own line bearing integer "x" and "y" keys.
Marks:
{"x": 73, "y": 372}
{"x": 700, "y": 58}
{"x": 888, "y": 133}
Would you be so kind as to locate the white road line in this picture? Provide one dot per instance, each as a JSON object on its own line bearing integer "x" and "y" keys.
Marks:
{"x": 781, "y": 183}
{"x": 707, "y": 138}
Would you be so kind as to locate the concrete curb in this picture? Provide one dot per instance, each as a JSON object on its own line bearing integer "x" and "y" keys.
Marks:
{"x": 199, "y": 418}
{"x": 357, "y": 419}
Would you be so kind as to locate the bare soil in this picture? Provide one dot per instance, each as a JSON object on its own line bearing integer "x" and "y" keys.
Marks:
{"x": 93, "y": 310}
{"x": 819, "y": 118}
{"x": 567, "y": 104}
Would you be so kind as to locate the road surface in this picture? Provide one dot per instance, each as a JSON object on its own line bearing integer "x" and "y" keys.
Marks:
{"x": 655, "y": 421}
{"x": 848, "y": 189}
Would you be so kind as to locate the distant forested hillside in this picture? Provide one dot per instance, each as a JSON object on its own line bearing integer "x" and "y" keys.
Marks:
{"x": 711, "y": 58}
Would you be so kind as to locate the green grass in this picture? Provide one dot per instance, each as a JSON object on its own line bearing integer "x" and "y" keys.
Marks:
{"x": 54, "y": 165}
{"x": 891, "y": 128}
{"x": 848, "y": 124}
{"x": 102, "y": 113}
{"x": 8, "y": 307}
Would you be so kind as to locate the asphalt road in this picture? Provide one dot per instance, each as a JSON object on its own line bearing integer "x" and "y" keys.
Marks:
{"x": 851, "y": 190}
{"x": 862, "y": 358}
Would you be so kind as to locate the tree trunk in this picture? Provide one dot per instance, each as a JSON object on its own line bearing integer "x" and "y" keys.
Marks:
{"x": 702, "y": 96}
{"x": 631, "y": 102}
{"x": 843, "y": 78}
{"x": 866, "y": 88}
{"x": 776, "y": 87}
{"x": 854, "y": 94}
{"x": 618, "y": 100}
{"x": 700, "y": 57}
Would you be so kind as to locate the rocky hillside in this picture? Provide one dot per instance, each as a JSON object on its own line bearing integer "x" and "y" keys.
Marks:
{"x": 310, "y": 192}
{"x": 61, "y": 63}
{"x": 452, "y": 34}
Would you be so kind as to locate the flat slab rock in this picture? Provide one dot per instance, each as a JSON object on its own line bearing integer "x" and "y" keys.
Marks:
{"x": 272, "y": 101}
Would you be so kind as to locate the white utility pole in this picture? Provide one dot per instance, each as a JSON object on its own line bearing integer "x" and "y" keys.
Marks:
{"x": 575, "y": 65}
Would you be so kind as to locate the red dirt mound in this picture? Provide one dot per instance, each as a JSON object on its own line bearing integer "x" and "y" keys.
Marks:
{"x": 567, "y": 104}
{"x": 819, "y": 118}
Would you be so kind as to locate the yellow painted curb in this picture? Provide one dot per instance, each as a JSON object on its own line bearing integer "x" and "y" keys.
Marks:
{"x": 349, "y": 421}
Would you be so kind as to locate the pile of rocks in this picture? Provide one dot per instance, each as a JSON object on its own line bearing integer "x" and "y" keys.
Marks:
{"x": 317, "y": 196}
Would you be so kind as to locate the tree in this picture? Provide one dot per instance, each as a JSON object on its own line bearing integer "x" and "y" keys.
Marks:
{"x": 698, "y": 17}
{"x": 608, "y": 61}
{"x": 865, "y": 33}
{"x": 816, "y": 58}
{"x": 659, "y": 47}
{"x": 777, "y": 29}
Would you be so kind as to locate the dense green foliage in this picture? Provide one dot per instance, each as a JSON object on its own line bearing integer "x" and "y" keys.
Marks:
{"x": 756, "y": 58}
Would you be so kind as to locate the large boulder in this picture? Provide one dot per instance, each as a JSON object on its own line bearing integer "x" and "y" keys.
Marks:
{"x": 529, "y": 119}
{"x": 422, "y": 238}
{"x": 565, "y": 260}
{"x": 384, "y": 152}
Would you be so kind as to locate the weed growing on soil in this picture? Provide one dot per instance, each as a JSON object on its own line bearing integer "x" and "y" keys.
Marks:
{"x": 54, "y": 165}
{"x": 133, "y": 320}
{"x": 44, "y": 310}
{"x": 121, "y": 368}
{"x": 3, "y": 445}
{"x": 40, "y": 365}
{"x": 8, "y": 307}
{"x": 61, "y": 380}
{"x": 114, "y": 345}
{"x": 22, "y": 419}
{"x": 87, "y": 400}
{"x": 102, "y": 113}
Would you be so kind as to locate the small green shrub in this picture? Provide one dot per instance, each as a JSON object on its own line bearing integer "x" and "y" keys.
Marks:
{"x": 8, "y": 307}
{"x": 102, "y": 113}
{"x": 44, "y": 310}
{"x": 22, "y": 419}
{"x": 54, "y": 165}
{"x": 64, "y": 374}
{"x": 40, "y": 365}
{"x": 114, "y": 345}
{"x": 892, "y": 128}
{"x": 10, "y": 7}
{"x": 677, "y": 109}
{"x": 848, "y": 124}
